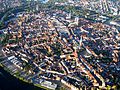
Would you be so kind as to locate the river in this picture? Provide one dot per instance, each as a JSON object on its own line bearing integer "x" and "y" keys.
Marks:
{"x": 9, "y": 82}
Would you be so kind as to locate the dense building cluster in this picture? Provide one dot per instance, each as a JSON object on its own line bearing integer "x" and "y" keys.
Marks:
{"x": 6, "y": 4}
{"x": 51, "y": 47}
{"x": 101, "y": 6}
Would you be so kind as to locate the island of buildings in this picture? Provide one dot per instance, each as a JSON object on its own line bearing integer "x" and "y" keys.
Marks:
{"x": 54, "y": 49}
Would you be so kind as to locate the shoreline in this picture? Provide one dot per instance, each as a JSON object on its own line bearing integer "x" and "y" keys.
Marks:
{"x": 21, "y": 78}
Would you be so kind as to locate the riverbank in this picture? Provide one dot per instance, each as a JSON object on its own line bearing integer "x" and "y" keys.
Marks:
{"x": 20, "y": 79}
{"x": 9, "y": 82}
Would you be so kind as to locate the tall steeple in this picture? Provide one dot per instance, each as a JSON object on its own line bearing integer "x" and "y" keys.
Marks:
{"x": 37, "y": 7}
{"x": 77, "y": 20}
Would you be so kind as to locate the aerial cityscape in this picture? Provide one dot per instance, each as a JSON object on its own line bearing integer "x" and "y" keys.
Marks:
{"x": 60, "y": 44}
